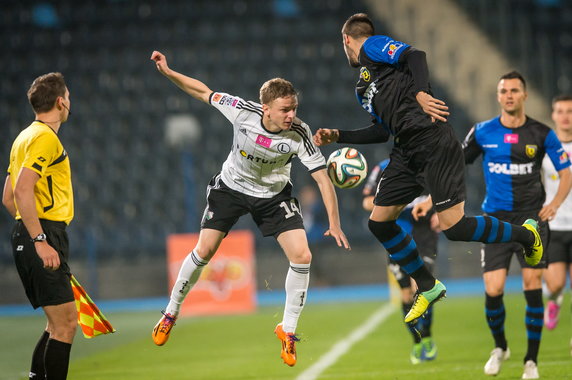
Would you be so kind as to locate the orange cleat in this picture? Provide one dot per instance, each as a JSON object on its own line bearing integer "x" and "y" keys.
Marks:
{"x": 289, "y": 340}
{"x": 163, "y": 328}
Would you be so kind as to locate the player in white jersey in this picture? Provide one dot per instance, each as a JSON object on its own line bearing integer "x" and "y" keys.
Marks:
{"x": 255, "y": 179}
{"x": 560, "y": 246}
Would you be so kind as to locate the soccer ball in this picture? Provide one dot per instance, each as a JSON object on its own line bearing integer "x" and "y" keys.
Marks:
{"x": 347, "y": 168}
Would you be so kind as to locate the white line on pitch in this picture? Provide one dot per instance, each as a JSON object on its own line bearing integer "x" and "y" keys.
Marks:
{"x": 346, "y": 343}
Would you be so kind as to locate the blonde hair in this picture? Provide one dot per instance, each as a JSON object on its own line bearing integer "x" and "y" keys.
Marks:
{"x": 276, "y": 88}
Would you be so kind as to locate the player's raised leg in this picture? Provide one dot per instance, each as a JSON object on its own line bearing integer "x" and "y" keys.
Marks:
{"x": 295, "y": 246}
{"x": 209, "y": 241}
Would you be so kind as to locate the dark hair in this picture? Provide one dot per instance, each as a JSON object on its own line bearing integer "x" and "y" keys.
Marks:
{"x": 45, "y": 90}
{"x": 276, "y": 88}
{"x": 358, "y": 26}
{"x": 514, "y": 75}
{"x": 561, "y": 98}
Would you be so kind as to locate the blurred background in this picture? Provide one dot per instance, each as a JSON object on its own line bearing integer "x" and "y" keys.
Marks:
{"x": 142, "y": 151}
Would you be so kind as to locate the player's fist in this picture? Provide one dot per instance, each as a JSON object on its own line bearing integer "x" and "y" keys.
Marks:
{"x": 325, "y": 136}
{"x": 161, "y": 62}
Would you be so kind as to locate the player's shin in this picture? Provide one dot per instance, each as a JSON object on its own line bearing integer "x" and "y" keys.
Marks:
{"x": 296, "y": 286}
{"x": 188, "y": 275}
{"x": 402, "y": 249}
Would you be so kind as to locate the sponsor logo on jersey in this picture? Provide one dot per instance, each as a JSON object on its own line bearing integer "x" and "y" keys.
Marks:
{"x": 250, "y": 157}
{"x": 510, "y": 169}
{"x": 393, "y": 48}
{"x": 264, "y": 141}
{"x": 243, "y": 131}
{"x": 283, "y": 148}
{"x": 216, "y": 97}
{"x": 511, "y": 138}
{"x": 227, "y": 100}
{"x": 367, "y": 98}
{"x": 531, "y": 150}
{"x": 364, "y": 74}
{"x": 490, "y": 145}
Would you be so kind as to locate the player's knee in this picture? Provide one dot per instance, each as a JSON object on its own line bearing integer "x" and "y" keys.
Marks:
{"x": 302, "y": 257}
{"x": 459, "y": 231}
{"x": 383, "y": 230}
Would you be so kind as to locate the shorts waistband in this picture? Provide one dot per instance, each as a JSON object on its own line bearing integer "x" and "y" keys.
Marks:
{"x": 50, "y": 224}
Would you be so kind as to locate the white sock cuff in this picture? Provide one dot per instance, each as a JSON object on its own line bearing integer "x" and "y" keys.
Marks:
{"x": 197, "y": 259}
{"x": 300, "y": 268}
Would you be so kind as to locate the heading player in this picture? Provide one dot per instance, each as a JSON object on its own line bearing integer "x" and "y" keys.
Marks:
{"x": 255, "y": 179}
{"x": 394, "y": 88}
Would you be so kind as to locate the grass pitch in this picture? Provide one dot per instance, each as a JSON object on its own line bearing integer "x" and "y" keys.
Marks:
{"x": 244, "y": 347}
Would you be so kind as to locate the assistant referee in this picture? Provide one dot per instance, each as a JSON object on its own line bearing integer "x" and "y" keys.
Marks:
{"x": 38, "y": 194}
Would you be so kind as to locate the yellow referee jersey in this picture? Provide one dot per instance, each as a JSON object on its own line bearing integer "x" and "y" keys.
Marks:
{"x": 38, "y": 148}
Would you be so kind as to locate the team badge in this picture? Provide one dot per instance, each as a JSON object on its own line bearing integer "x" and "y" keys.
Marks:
{"x": 283, "y": 148}
{"x": 531, "y": 150}
{"x": 364, "y": 74}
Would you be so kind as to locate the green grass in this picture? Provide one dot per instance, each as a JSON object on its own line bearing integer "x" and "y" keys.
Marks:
{"x": 244, "y": 347}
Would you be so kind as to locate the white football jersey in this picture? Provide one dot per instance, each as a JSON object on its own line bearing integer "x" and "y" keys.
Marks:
{"x": 563, "y": 219}
{"x": 259, "y": 162}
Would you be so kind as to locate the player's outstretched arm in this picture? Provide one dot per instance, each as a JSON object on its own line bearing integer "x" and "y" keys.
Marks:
{"x": 191, "y": 86}
{"x": 331, "y": 202}
{"x": 548, "y": 212}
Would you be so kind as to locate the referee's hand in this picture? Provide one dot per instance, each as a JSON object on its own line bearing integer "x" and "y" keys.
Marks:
{"x": 48, "y": 254}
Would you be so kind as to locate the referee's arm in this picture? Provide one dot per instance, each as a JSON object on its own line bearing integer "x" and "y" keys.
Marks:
{"x": 26, "y": 202}
{"x": 8, "y": 197}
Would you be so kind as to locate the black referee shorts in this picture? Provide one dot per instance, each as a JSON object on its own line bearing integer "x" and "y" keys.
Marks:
{"x": 43, "y": 287}
{"x": 273, "y": 216}
{"x": 429, "y": 156}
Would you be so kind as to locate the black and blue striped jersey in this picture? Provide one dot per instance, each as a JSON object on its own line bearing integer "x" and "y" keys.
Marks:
{"x": 386, "y": 87}
{"x": 512, "y": 160}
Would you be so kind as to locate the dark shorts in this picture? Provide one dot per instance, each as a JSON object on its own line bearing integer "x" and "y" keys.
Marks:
{"x": 430, "y": 157}
{"x": 560, "y": 247}
{"x": 43, "y": 287}
{"x": 272, "y": 215}
{"x": 498, "y": 255}
{"x": 426, "y": 240}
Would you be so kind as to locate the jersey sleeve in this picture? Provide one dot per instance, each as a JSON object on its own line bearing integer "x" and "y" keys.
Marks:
{"x": 471, "y": 148}
{"x": 230, "y": 106}
{"x": 556, "y": 152}
{"x": 41, "y": 152}
{"x": 384, "y": 49}
{"x": 308, "y": 152}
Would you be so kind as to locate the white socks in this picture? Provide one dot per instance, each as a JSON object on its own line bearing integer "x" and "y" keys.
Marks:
{"x": 297, "y": 281}
{"x": 188, "y": 276}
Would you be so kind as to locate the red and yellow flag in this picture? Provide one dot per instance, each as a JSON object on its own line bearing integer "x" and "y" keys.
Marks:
{"x": 89, "y": 317}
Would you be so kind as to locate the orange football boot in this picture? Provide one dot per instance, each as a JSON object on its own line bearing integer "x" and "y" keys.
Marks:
{"x": 163, "y": 328}
{"x": 289, "y": 340}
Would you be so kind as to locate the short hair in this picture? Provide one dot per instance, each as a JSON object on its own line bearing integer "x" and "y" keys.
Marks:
{"x": 358, "y": 26}
{"x": 276, "y": 88}
{"x": 45, "y": 90}
{"x": 514, "y": 75}
{"x": 561, "y": 98}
